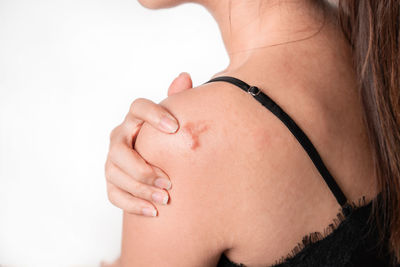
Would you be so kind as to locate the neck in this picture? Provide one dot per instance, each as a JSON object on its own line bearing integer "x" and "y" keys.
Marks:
{"x": 249, "y": 27}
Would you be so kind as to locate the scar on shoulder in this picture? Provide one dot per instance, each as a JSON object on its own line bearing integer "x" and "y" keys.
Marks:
{"x": 193, "y": 131}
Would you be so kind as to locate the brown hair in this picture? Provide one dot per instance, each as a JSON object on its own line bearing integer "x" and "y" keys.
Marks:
{"x": 373, "y": 29}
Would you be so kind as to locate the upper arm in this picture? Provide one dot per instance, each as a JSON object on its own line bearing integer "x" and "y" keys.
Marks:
{"x": 194, "y": 228}
{"x": 229, "y": 163}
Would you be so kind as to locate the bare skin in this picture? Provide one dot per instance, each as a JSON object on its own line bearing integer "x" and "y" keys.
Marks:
{"x": 237, "y": 147}
{"x": 193, "y": 131}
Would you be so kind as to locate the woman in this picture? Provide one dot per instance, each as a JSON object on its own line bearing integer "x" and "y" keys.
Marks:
{"x": 292, "y": 181}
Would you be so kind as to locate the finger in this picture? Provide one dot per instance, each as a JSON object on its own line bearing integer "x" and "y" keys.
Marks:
{"x": 126, "y": 132}
{"x": 129, "y": 203}
{"x": 155, "y": 114}
{"x": 120, "y": 179}
{"x": 131, "y": 163}
{"x": 163, "y": 182}
{"x": 180, "y": 83}
{"x": 122, "y": 154}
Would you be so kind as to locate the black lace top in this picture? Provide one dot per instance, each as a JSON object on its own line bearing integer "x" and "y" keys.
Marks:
{"x": 351, "y": 240}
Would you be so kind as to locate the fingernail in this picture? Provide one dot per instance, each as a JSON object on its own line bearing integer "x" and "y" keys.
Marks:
{"x": 149, "y": 212}
{"x": 162, "y": 183}
{"x": 169, "y": 124}
{"x": 160, "y": 198}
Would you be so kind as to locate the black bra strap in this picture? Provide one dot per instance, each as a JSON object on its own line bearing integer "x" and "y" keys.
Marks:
{"x": 296, "y": 131}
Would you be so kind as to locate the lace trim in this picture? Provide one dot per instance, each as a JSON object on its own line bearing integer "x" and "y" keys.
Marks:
{"x": 312, "y": 238}
{"x": 315, "y": 237}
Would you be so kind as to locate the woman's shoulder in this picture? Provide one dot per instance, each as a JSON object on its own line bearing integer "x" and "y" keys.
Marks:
{"x": 214, "y": 120}
{"x": 221, "y": 130}
{"x": 213, "y": 159}
{"x": 231, "y": 151}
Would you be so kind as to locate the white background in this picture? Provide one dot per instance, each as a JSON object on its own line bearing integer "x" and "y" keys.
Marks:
{"x": 68, "y": 73}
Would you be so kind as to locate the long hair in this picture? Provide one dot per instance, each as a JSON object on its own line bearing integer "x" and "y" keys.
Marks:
{"x": 373, "y": 27}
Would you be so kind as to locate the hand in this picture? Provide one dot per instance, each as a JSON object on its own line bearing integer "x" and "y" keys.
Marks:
{"x": 131, "y": 181}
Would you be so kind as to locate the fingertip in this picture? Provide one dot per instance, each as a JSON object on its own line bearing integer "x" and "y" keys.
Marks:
{"x": 151, "y": 212}
{"x": 184, "y": 73}
{"x": 163, "y": 183}
{"x": 168, "y": 124}
{"x": 181, "y": 83}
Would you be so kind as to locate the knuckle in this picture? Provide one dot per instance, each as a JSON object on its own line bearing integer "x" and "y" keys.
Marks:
{"x": 135, "y": 103}
{"x": 113, "y": 152}
{"x": 106, "y": 165}
{"x": 114, "y": 132}
{"x": 111, "y": 194}
{"x": 109, "y": 173}
{"x": 143, "y": 191}
{"x": 132, "y": 207}
{"x": 144, "y": 171}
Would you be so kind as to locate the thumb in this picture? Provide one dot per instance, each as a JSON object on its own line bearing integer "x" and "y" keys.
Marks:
{"x": 180, "y": 83}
